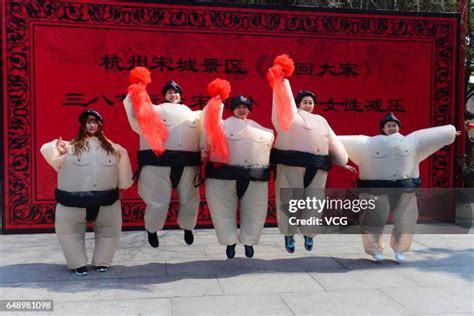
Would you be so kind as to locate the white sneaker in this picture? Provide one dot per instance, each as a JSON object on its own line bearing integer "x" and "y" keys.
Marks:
{"x": 399, "y": 257}
{"x": 378, "y": 257}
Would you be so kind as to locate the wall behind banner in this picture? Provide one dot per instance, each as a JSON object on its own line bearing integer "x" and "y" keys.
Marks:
{"x": 62, "y": 58}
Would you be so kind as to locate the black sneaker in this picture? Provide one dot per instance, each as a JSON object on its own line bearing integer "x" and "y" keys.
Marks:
{"x": 290, "y": 244}
{"x": 81, "y": 271}
{"x": 230, "y": 251}
{"x": 188, "y": 237}
{"x": 101, "y": 268}
{"x": 308, "y": 243}
{"x": 248, "y": 251}
{"x": 153, "y": 239}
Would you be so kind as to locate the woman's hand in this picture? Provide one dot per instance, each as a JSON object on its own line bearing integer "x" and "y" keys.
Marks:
{"x": 61, "y": 146}
{"x": 204, "y": 155}
{"x": 349, "y": 168}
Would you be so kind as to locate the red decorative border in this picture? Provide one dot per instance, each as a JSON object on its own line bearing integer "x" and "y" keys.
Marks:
{"x": 21, "y": 214}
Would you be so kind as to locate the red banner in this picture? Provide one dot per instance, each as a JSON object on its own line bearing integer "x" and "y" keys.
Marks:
{"x": 61, "y": 58}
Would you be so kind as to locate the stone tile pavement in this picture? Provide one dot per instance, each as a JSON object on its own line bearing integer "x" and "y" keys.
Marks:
{"x": 336, "y": 278}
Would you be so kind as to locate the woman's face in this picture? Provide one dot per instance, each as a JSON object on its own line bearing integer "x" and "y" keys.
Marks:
{"x": 92, "y": 125}
{"x": 172, "y": 96}
{"x": 241, "y": 111}
{"x": 391, "y": 128}
{"x": 307, "y": 104}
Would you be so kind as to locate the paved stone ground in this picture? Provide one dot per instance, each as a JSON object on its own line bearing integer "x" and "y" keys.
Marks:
{"x": 336, "y": 278}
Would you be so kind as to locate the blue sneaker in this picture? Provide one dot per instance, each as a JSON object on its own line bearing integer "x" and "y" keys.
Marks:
{"x": 308, "y": 243}
{"x": 290, "y": 244}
